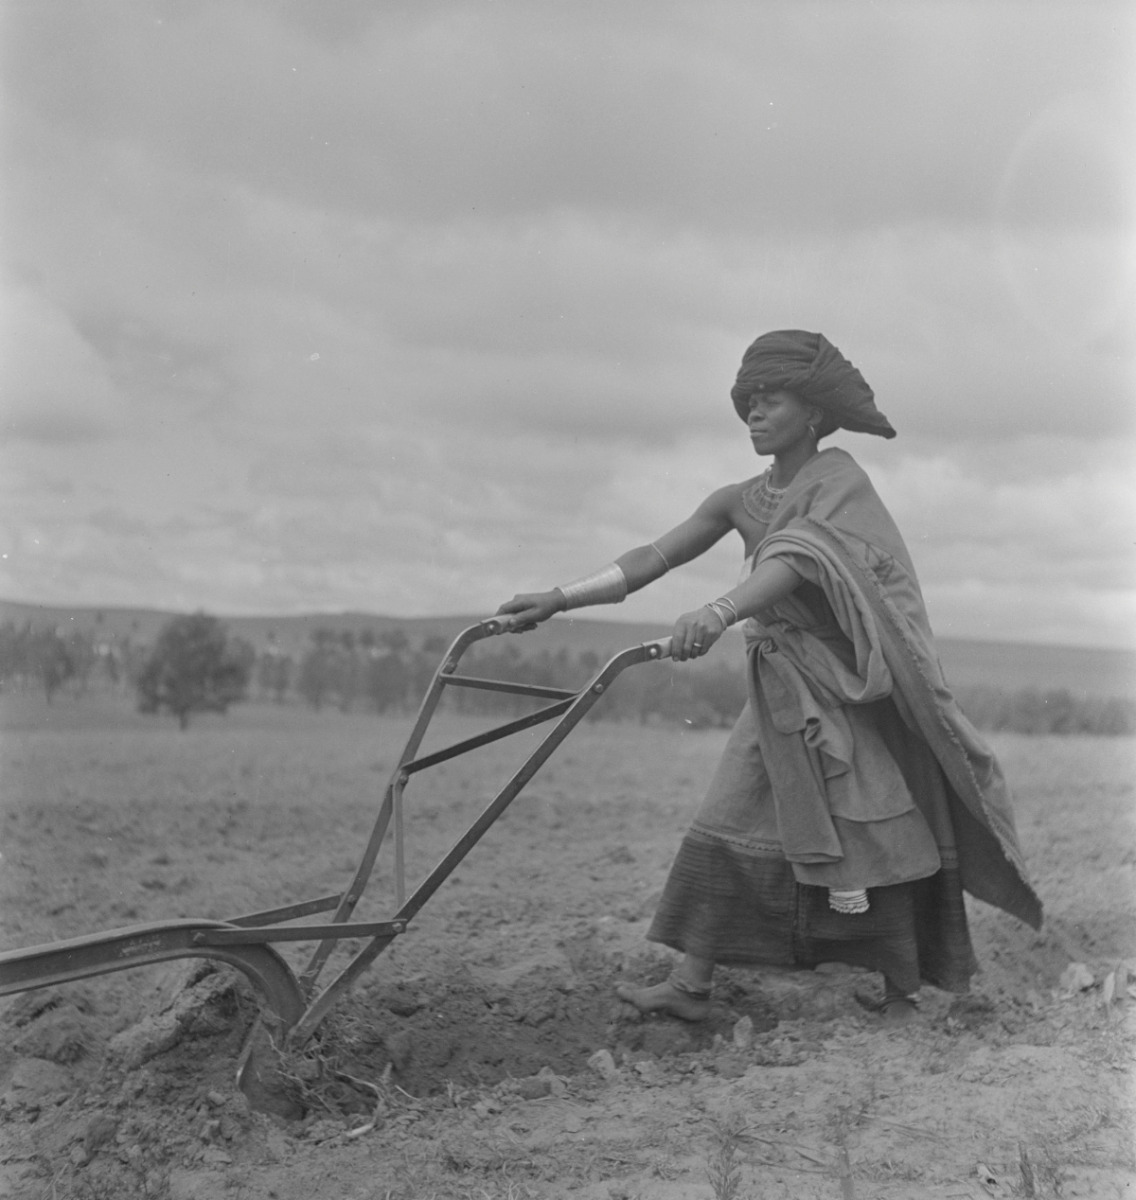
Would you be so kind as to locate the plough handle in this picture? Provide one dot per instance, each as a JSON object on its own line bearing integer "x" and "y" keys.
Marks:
{"x": 492, "y": 626}
{"x": 570, "y": 713}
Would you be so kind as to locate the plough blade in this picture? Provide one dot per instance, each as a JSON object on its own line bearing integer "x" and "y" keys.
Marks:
{"x": 141, "y": 945}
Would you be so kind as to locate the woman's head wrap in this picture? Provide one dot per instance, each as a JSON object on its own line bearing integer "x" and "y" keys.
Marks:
{"x": 811, "y": 367}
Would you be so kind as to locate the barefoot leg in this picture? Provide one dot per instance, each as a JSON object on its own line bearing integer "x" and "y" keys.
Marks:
{"x": 665, "y": 997}
{"x": 686, "y": 994}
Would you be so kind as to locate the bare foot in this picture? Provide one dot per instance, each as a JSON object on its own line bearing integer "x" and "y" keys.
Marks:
{"x": 665, "y": 997}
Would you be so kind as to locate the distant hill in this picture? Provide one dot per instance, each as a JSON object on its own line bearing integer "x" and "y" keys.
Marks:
{"x": 293, "y": 633}
{"x": 1011, "y": 666}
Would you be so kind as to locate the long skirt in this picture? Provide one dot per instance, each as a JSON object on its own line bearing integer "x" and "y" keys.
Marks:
{"x": 733, "y": 898}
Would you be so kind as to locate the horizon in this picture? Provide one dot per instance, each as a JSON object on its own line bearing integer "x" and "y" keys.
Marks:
{"x": 584, "y": 616}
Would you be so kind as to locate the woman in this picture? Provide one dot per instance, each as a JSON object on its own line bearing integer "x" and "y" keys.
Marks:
{"x": 854, "y": 803}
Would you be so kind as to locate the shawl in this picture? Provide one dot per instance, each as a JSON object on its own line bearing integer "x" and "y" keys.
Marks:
{"x": 833, "y": 530}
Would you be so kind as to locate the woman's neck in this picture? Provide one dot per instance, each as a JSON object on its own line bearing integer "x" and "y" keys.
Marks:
{"x": 788, "y": 463}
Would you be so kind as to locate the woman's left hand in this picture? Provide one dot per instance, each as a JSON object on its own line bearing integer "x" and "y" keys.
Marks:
{"x": 694, "y": 633}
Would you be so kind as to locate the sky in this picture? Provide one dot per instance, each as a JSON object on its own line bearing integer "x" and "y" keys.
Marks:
{"x": 401, "y": 308}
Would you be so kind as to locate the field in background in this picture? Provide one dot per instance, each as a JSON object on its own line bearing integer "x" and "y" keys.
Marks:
{"x": 478, "y": 1026}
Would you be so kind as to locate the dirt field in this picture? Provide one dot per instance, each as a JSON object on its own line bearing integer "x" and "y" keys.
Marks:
{"x": 484, "y": 1054}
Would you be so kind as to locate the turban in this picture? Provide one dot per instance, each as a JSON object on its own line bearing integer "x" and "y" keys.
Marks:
{"x": 811, "y": 367}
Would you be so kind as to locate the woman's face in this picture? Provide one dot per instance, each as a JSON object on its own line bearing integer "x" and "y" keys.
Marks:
{"x": 778, "y": 421}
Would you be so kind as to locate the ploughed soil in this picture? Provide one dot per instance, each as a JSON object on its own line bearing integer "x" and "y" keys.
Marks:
{"x": 484, "y": 1053}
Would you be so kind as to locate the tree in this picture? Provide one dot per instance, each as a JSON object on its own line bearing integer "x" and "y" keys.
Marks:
{"x": 395, "y": 640}
{"x": 274, "y": 672}
{"x": 15, "y": 654}
{"x": 51, "y": 660}
{"x": 329, "y": 669}
{"x": 387, "y": 681}
{"x": 193, "y": 667}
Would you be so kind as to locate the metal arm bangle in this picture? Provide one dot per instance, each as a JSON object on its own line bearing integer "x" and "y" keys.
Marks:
{"x": 724, "y": 610}
{"x": 606, "y": 586}
{"x": 666, "y": 565}
{"x": 728, "y": 603}
{"x": 713, "y": 607}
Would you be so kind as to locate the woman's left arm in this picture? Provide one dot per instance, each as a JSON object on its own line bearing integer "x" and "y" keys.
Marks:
{"x": 695, "y": 632}
{"x": 708, "y": 524}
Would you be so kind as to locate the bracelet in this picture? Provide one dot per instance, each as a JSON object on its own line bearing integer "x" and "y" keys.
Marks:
{"x": 606, "y": 586}
{"x": 730, "y": 605}
{"x": 848, "y": 901}
{"x": 666, "y": 565}
{"x": 723, "y": 608}
{"x": 713, "y": 607}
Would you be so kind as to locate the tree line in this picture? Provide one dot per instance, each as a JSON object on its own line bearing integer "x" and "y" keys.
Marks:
{"x": 195, "y": 665}
{"x": 386, "y": 673}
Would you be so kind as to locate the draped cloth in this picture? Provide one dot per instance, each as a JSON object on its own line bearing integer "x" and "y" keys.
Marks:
{"x": 851, "y": 767}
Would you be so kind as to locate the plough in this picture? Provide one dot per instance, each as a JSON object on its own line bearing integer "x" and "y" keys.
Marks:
{"x": 295, "y": 1005}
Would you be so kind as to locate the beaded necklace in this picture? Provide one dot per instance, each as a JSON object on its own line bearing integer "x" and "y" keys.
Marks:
{"x": 761, "y": 500}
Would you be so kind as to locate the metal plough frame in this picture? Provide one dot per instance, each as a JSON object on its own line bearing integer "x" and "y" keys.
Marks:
{"x": 296, "y": 1004}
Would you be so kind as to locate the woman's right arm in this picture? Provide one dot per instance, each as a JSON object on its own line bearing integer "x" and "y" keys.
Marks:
{"x": 709, "y": 522}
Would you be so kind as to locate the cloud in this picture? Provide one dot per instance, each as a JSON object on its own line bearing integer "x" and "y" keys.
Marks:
{"x": 406, "y": 307}
{"x": 1027, "y": 525}
{"x": 1044, "y": 538}
{"x": 603, "y": 307}
{"x": 738, "y": 116}
{"x": 56, "y": 389}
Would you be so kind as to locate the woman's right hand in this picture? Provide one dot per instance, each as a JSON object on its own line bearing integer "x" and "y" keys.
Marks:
{"x": 695, "y": 632}
{"x": 528, "y": 609}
